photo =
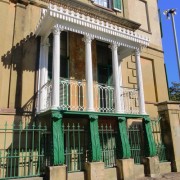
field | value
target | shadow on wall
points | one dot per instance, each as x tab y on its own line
22	57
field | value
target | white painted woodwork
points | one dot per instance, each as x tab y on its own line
89	76
116	77
56	67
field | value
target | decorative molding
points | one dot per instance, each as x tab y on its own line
95	11
56	29
82	24
87	38
137	52
45	42
113	46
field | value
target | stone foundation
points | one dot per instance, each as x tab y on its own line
138	171
151	166
125	169
165	167
56	172
95	170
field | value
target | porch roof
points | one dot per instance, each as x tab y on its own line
70	20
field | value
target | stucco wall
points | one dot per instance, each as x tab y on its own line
146	13
18	53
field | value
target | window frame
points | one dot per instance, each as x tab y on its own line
111	5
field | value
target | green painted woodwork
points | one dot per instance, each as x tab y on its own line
95	147
150	147
57	157
117	4
86	113
123	151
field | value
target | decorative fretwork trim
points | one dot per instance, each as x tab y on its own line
101	30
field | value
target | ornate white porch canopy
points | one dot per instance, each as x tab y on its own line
76	22
56	19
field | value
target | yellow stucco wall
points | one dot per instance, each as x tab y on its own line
18	53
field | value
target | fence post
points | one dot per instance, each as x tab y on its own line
94	137
123	151
57	139
150	147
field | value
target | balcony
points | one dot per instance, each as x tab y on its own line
73	97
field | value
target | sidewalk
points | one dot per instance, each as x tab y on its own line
169	176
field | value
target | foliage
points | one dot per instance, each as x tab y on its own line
174	91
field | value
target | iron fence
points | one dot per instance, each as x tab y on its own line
76	146
108	145
21	154
135	133
157	134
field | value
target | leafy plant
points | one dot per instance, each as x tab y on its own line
174	91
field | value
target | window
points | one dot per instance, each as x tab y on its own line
104	59
112	4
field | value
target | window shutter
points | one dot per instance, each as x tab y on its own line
117	4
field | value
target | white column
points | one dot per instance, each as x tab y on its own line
89	76
56	68
46	54
43	68
116	78
140	83
39	77
121	84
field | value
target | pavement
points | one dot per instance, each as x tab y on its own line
169	176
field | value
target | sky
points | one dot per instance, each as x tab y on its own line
168	38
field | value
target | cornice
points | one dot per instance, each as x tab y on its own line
81	23
95	12
87	9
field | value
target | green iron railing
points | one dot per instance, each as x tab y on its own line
135	133
157	134
76	146
108	145
21	154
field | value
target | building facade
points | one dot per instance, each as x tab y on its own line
92	71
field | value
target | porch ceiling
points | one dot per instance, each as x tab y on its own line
70	20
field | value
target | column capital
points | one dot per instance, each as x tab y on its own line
45	42
113	46
87	38
137	52
57	29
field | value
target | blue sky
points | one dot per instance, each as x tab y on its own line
168	38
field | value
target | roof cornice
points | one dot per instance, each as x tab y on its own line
95	12
83	24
